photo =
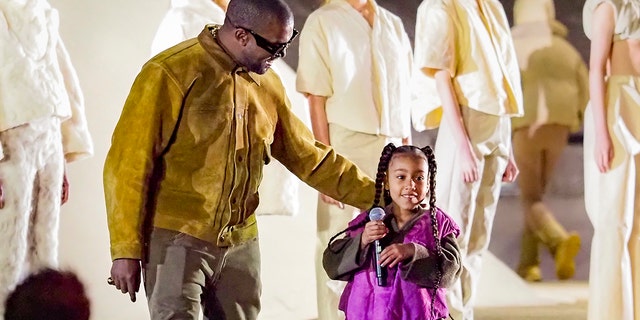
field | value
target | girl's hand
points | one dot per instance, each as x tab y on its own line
373	230
395	253
603	152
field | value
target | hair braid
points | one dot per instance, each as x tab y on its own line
433	168
383	165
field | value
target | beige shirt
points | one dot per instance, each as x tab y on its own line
627	18
474	44
364	72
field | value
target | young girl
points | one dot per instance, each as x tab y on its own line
420	254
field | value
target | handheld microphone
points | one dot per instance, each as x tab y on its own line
377	214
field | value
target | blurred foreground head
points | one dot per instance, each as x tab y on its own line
49	294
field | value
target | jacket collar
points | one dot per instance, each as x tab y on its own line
208	41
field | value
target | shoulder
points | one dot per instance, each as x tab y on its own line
446	224
435	7
327	12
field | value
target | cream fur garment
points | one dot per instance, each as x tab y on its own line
36	70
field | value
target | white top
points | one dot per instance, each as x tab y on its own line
185	20
364	72
37	79
627	15
473	43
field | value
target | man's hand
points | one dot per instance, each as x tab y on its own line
65	189
125	274
328	200
396	253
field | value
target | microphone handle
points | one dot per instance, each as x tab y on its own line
381	272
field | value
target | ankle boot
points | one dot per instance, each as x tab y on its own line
565	254
529	266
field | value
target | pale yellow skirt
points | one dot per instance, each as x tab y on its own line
611	204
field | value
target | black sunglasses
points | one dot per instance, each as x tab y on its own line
277	50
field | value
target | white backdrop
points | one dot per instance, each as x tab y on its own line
108	42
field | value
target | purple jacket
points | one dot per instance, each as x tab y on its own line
410	292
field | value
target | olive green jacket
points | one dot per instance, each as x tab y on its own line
188	151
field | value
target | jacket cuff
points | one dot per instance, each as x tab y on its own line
128	251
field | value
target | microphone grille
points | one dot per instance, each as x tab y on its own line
376	213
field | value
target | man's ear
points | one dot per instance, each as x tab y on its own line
242	36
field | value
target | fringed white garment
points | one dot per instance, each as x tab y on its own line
31	174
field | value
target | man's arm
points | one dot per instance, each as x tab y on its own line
320	127
142	133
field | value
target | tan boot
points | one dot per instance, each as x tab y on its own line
565	255
529	266
530	273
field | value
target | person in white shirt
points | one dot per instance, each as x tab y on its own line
464	50
42	127
355	68
280	190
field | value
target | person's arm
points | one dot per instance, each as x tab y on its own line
320	127
601	38
318	114
343	257
76	139
141	135
422	269
452	115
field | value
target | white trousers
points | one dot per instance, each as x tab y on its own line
471	205
364	150
612	201
31	174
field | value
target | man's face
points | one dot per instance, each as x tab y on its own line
266	45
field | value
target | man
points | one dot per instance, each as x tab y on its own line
556	91
279	188
464	48
187	155
42	127
355	69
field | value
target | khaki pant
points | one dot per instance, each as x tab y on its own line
537	156
364	150
471	205
184	273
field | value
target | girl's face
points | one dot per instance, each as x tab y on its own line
407	180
